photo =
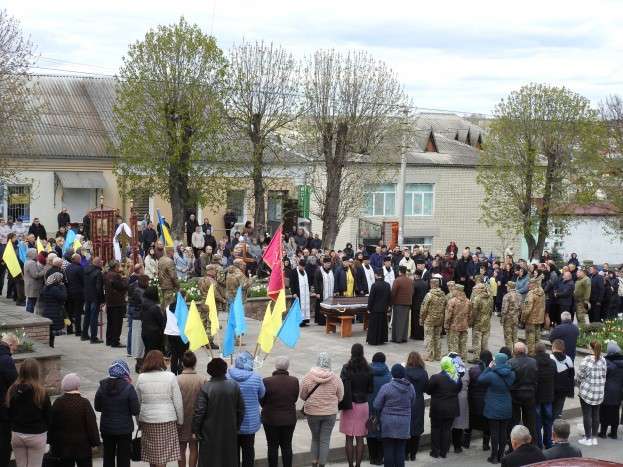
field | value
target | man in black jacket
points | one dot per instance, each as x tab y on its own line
563	292
546	372
524	452
37	229
229	219
8	375
93	299
74	275
598	288
63	218
523	390
149	237
562	449
568	332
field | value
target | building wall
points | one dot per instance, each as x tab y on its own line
456	212
588	238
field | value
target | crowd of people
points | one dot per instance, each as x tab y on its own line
212	420
510	396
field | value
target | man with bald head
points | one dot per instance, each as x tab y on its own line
523	390
93	299
74	274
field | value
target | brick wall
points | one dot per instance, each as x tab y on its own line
38	333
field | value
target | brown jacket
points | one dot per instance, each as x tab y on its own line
115	289
402	291
459	313
167	275
236	278
534	307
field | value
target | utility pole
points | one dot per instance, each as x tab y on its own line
400	199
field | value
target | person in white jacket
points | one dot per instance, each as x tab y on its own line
161	411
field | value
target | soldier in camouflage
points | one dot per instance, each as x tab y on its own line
482	308
451	285
581	296
509	314
432	317
236	277
533	314
458	317
204	285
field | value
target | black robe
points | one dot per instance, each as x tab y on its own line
361	283
319	318
378	304
219	410
420	288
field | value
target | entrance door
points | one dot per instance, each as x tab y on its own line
78	201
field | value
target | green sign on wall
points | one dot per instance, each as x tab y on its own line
304	198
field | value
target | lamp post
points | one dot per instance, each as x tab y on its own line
401	181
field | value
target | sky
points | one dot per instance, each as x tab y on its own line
450	55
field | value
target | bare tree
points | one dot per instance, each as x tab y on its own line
17	110
352	101
263	98
611	171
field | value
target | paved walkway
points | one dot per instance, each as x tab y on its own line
91	361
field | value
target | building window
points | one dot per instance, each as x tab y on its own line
18	202
380	200
424	242
419	199
235	202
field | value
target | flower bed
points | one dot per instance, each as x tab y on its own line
611	330
258	290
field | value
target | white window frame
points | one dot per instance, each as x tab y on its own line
7	196
372	191
412	193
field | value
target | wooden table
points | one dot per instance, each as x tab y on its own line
341	311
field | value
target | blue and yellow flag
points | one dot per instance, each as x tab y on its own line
10	259
194	329
166	235
290	329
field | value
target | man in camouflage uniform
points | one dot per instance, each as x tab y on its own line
236	277
509	314
458	317
451	285
167	277
431	317
482	308
533	314
204	285
582	295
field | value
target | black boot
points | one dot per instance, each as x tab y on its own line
457	438
467	438
485	443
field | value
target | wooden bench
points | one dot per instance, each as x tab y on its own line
344	322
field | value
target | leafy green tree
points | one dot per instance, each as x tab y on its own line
168	116
611	168
538	161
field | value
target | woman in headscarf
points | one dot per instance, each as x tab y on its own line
322	390
73	427
461	422
476	398
253	390
117	401
444	388
380	376
394	402
218	414
498	378
418	377
53	297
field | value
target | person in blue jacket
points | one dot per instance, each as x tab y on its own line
380	377
252	389
498	403
521	281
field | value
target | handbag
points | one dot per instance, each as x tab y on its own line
308	396
347	401
135	453
373	424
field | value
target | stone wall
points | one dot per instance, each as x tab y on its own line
49	360
36	327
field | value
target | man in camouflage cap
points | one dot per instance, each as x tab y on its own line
451	285
432	317
482	308
533	314
509	314
458	317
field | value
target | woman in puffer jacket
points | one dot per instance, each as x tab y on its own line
53	297
252	389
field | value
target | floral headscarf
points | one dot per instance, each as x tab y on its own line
54	278
447	366
458	363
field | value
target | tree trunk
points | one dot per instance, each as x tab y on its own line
544	212
179	174
334	167
259	212
526	210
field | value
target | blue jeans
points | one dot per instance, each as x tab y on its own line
129	343
30	304
544	422
91	315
